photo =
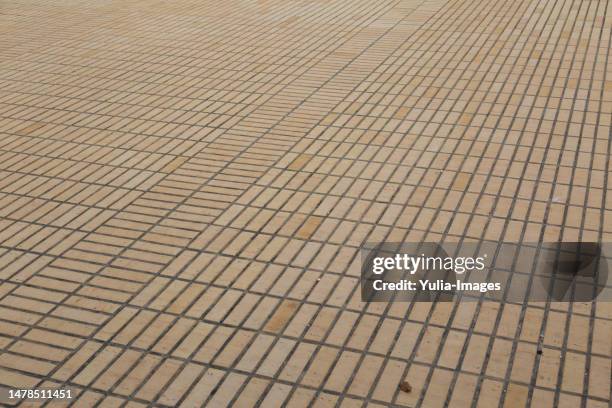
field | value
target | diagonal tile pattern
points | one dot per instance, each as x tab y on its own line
185	186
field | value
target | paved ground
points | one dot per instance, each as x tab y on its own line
184	186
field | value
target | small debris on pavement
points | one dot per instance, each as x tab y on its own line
405	386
